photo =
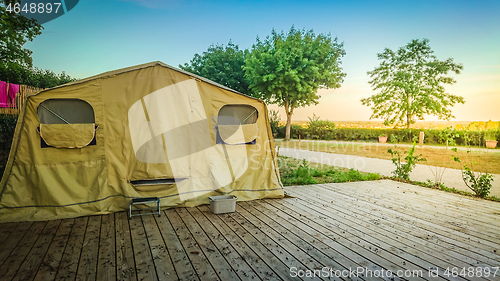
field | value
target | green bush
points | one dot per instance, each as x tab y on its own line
320	129
274	121
7	128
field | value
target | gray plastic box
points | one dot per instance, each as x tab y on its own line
223	204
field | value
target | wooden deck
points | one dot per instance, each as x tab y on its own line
365	226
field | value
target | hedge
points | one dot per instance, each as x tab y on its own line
7	128
432	136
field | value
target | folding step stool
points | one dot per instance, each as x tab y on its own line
146	200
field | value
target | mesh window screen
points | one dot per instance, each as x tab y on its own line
65	111
237	114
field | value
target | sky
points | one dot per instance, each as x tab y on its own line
102	35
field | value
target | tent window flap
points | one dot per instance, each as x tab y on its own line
66	123
67	135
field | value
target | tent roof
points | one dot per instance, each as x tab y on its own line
141	66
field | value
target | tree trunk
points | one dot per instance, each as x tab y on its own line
289	112
288	125
408	115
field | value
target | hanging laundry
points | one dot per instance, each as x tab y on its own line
13	89
4	94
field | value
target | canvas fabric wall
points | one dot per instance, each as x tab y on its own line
152	124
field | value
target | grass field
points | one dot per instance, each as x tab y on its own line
485	160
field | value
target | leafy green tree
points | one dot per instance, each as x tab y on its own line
411	82
288	69
15	31
222	65
16	64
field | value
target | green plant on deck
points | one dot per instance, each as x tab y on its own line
478	182
403	169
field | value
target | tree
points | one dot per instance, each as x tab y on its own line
288	69
16	64
222	65
411	83
15	31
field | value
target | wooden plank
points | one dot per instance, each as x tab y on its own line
13	239
475	244
377	219
32	262
161	258
71	257
106	267
198	259
6	230
221	266
50	263
363	257
272	253
143	260
403	231
17	256
264	271
87	267
310	214
411	203
237	262
281	236
125	264
441	198
415	234
180	260
311	238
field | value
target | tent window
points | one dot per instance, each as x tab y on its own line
65	111
236	124
66	123
237	114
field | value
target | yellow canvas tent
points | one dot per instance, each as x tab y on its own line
90	146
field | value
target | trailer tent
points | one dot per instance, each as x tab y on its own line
90	146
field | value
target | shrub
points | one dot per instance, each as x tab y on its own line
296	131
478	182
274	121
320	129
7	128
